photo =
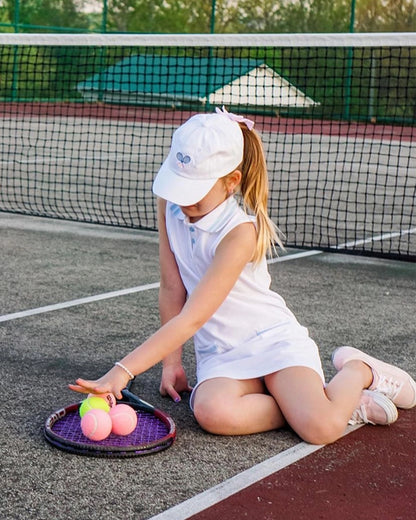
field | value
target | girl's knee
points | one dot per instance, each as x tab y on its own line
215	417
320	430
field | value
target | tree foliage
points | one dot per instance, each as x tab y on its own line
386	15
45	13
194	16
169	16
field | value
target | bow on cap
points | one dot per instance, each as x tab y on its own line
234	117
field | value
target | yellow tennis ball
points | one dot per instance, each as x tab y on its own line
93	403
108	396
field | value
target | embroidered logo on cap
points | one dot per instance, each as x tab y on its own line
183	159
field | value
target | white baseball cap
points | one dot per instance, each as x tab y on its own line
204	149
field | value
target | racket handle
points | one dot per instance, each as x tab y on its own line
129	384
130	397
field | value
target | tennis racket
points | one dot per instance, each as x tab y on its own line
155	431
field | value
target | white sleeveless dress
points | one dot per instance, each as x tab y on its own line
253	333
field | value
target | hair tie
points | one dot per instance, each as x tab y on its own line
234	117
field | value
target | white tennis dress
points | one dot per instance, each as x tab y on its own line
253	333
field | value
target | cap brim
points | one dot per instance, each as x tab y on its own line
180	190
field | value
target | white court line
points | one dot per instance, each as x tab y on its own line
377	238
243	480
80	301
294	256
237	483
40	160
131	290
113	294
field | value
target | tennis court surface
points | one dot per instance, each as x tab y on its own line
77	297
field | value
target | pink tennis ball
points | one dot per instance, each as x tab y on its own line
124	419
108	396
96	424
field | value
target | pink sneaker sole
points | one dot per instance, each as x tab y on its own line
388	380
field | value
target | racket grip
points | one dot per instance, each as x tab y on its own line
131	398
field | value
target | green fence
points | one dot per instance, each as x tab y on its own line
98	16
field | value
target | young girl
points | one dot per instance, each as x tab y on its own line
257	367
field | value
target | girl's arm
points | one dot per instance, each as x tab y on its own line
172	298
232	254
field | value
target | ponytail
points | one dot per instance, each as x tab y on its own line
254	189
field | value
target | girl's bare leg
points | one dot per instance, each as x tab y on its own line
236	407
318	414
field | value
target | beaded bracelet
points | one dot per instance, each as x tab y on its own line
118	364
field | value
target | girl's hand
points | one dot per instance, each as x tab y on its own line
174	381
114	381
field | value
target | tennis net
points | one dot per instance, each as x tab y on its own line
86	121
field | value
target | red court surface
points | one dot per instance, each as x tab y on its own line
368	474
269	123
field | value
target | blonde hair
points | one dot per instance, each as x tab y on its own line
254	189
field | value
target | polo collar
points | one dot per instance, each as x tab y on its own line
213	221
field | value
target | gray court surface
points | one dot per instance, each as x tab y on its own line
365	302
